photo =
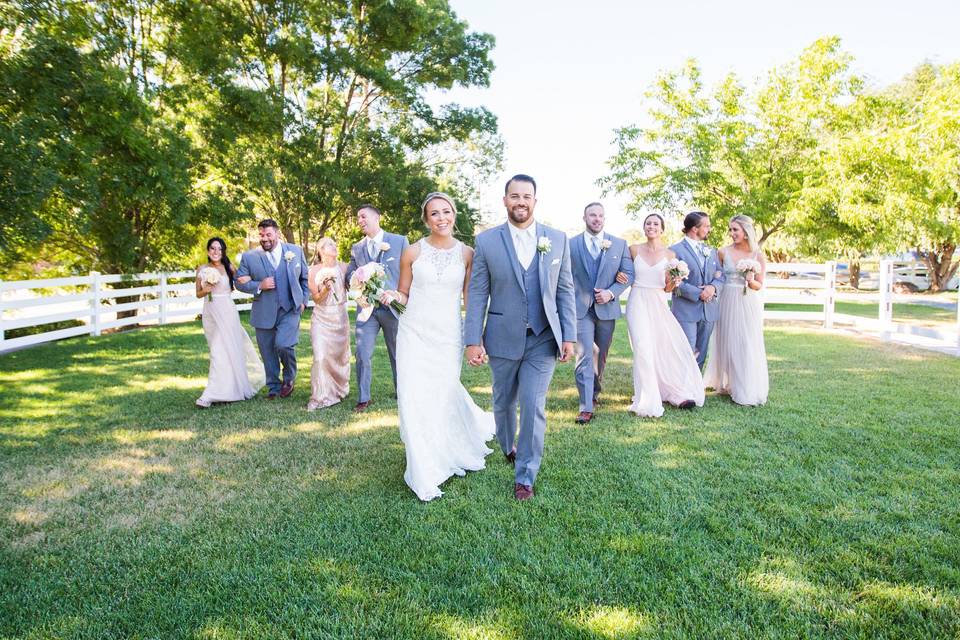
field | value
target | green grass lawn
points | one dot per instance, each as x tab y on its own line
127	513
902	312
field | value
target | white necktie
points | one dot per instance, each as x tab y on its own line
524	254
594	247
274	260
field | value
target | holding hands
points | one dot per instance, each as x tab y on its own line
476	355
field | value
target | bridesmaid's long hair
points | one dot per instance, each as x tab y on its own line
746	223
224	258
321	243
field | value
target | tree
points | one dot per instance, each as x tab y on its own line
731	152
311	108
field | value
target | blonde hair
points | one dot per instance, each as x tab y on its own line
321	243
437	195
746	223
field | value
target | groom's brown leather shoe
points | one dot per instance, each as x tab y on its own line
362	406
272	396
286	389
511	457
522	491
584	417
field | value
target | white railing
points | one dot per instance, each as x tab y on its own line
91	302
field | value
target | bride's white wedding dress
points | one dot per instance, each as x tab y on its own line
664	368
443	430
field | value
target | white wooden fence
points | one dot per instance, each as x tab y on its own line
91	302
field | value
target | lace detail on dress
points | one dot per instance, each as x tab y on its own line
440	258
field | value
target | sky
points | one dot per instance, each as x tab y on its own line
569	73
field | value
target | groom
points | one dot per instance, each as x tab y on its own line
695	300
276	275
520	299
385	248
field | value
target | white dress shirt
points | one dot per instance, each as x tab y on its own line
593	243
276	254
696	246
373	244
524	243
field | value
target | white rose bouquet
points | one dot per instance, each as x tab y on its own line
745	266
209	275
328	275
677	269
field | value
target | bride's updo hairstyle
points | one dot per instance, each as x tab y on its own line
438	195
746	223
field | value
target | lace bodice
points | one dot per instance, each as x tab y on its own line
646	276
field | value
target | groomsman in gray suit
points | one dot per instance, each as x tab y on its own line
385	248
695	303
520	301
596	259
276	275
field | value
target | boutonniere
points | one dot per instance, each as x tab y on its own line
383	247
543	244
605	244
289	255
705	250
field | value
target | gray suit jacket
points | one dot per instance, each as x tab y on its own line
614	259
495	297
686	305
257	265
390	259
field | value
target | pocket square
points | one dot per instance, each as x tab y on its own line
389	259
555	261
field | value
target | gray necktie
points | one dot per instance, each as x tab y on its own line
594	247
372	248
273	260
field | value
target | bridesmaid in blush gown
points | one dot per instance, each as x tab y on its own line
236	372
664	367
738	366
329	329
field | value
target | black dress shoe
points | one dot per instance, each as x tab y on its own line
687	404
272	395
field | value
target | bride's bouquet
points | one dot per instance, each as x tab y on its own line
677	269
209	275
328	275
366	286
745	266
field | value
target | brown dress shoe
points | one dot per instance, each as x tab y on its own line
362	406
511	457
286	389
272	395
584	417
522	491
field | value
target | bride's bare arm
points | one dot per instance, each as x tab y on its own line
467	265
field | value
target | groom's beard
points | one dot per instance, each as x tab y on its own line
519	214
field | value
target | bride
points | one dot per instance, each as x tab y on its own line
443	430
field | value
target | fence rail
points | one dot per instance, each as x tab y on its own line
91	304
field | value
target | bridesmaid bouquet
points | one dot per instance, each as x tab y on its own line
745	266
209	275
366	286
677	269
328	275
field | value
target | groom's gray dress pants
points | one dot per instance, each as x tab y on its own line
367	340
524	383
278	347
698	335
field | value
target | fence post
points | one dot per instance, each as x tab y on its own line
886	298
95	303
830	302
163	297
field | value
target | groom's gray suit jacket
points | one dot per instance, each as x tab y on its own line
496	302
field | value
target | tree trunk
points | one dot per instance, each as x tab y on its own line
854	268
940	266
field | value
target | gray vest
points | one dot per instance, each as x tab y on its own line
536	317
594	266
284	299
